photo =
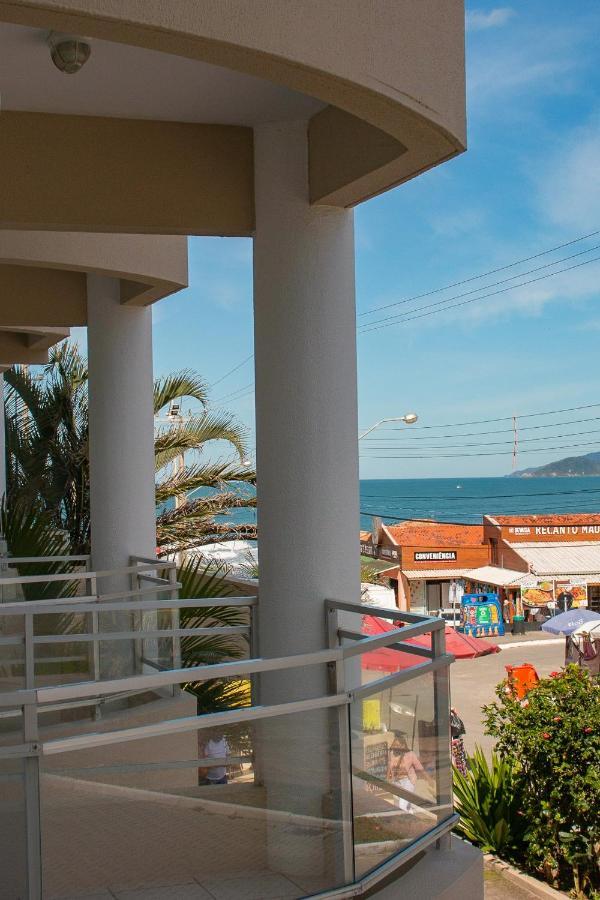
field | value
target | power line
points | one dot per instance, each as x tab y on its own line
483	274
482	496
556	437
400	319
551	412
477	290
492	453
241	396
231	371
450	286
422	437
231	395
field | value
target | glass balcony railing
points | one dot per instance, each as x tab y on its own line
117	786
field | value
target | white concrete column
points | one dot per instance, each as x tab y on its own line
122	493
307	470
306	403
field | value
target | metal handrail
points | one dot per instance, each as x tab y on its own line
31	701
98	604
22	560
85	575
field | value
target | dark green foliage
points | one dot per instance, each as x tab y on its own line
553	737
204	582
488	799
48	456
30	531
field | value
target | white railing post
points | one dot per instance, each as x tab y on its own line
337	686
29	651
95	647
31	776
174	595
257	767
441	705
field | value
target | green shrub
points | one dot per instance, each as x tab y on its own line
553	737
488	799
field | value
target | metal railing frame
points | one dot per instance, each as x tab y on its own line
31	701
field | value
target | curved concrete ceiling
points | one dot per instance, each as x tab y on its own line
27	345
43	274
391	75
137	83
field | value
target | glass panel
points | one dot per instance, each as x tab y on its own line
13	860
12	657
145	813
399	762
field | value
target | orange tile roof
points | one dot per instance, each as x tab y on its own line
365	535
436	534
562	519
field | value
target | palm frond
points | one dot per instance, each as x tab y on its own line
180	384
202	580
204	475
194	433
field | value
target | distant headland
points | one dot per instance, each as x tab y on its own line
570	467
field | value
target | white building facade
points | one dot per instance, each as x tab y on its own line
246	118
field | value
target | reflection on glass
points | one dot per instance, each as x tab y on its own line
144	812
397	755
13	864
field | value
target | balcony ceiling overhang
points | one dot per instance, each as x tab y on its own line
43	274
154	134
27	345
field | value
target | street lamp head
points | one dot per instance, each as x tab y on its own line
410	418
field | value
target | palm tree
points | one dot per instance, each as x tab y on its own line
191	521
47	442
48	461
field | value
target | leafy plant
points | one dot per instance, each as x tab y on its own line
30	532
48	456
369	574
202	581
554	738
488	799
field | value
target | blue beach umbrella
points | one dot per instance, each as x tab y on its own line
567	622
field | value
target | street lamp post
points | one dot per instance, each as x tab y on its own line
408	419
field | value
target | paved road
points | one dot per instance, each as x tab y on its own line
473	681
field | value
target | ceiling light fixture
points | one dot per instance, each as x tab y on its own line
69	54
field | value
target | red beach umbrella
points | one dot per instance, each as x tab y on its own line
462	646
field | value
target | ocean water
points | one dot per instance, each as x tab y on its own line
466	499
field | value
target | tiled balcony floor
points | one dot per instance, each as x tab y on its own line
106	843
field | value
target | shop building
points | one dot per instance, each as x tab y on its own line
559	553
432	561
536	564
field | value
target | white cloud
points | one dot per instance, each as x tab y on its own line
569	183
507	75
457	224
477	20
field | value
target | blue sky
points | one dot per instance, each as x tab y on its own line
530	180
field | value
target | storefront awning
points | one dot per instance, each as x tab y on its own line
496	575
434	574
561	559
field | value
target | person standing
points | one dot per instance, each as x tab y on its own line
457	732
216	747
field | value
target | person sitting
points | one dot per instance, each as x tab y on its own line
404	770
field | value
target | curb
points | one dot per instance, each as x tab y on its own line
546	642
538	888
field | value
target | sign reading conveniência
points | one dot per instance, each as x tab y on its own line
435	555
